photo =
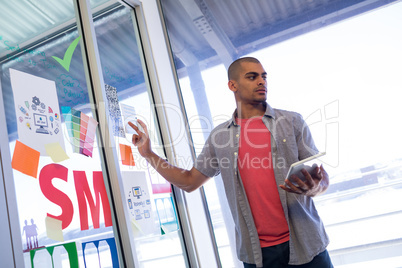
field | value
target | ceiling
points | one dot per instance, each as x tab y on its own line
212	31
24	22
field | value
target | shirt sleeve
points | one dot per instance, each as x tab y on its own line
207	162
305	142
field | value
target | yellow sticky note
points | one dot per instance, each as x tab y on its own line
56	152
53	229
135	227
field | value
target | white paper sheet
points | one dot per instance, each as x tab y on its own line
139	202
37	111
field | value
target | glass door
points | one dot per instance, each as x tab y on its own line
148	198
64	209
65	204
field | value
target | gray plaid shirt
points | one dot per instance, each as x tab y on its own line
291	141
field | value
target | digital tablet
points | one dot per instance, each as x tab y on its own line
309	164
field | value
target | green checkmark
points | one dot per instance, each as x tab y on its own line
66	61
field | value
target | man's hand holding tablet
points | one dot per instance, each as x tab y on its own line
306	177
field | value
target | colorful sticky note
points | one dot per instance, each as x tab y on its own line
66	111
89	139
68	120
53	229
56	152
126	155
83	130
136	228
25	159
76	122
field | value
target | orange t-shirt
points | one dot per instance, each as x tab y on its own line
257	173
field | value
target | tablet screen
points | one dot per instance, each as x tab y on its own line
309	164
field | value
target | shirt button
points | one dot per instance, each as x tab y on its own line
237	135
284	140
235	153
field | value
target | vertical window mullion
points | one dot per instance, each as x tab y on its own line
108	151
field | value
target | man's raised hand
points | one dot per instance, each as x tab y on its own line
141	139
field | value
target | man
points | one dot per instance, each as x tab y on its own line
275	226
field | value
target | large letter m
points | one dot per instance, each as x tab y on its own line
84	195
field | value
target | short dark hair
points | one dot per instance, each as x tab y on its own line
234	68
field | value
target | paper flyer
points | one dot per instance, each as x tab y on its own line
138	199
37	111
114	111
129	114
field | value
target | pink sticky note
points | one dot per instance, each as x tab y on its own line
89	139
83	130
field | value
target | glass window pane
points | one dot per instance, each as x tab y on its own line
148	197
344	79
24	22
52	133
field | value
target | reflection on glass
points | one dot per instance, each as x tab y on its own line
57	171
24	23
149	202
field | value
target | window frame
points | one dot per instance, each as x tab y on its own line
194	225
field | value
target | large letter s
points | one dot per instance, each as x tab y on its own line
47	174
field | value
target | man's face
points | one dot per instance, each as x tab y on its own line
250	87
